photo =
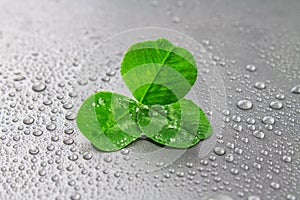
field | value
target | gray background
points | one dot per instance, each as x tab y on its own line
43	45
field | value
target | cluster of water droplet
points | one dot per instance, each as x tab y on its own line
44	156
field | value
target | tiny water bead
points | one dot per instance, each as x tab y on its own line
244	104
38	87
251	68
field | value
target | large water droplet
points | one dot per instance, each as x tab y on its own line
258	134
37	132
28	120
87	156
219	151
34	150
296	89
277	105
287	159
68	141
229	157
51	126
251	68
260	85
19	77
71	116
244	104
38	87
268	120
275	185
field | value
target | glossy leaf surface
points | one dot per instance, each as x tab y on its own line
108	120
157	72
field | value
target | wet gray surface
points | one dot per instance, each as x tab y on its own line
55	54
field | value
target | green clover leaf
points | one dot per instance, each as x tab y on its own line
159	75
108	120
157	72
181	124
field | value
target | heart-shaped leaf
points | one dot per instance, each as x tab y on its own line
108	120
181	124
157	72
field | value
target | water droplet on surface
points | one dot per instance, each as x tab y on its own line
280	96
19	77
234	171
278	132
68	141
87	156
34	150
219	197
110	73
69	131
108	159
37	133
51	126
229	157
70	116
259	134
50	147
260	85
38	87
244	104
28	120
55	178
82	82
251	68
101	102
275	185
219	151
73	157
76	197
296	89
67	106
253	197
125	151
268	120
277	105
176	19
287	159
105	79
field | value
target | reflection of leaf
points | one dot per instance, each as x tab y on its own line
181	124
157	72
108	120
